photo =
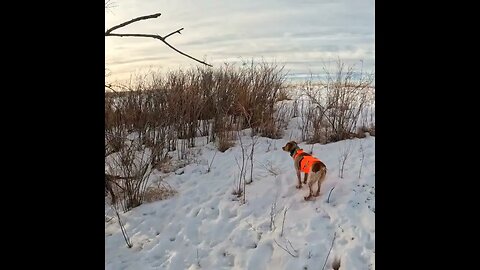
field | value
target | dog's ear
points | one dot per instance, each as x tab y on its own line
289	146
293	143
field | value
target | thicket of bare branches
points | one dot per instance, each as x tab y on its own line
158	114
337	104
161	113
183	105
132	166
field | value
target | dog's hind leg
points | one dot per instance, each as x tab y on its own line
310	190
321	177
318	189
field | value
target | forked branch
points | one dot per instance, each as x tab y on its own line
109	33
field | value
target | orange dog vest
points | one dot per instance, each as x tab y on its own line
306	162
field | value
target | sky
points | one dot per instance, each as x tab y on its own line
302	35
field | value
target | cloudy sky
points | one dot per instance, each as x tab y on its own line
302	35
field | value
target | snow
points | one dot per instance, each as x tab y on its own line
204	226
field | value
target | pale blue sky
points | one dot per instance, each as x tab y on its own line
304	35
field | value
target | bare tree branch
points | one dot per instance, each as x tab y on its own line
141	18
161	39
109	33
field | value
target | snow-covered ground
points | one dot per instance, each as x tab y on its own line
204	226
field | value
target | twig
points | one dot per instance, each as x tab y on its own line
198	261
344	153
251	226
211	162
328	199
294	249
283	222
174	32
269	167
273	214
124	232
109	5
285	249
110	86
361	162
109	219
244	191
334	235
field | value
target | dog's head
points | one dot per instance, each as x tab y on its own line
291	145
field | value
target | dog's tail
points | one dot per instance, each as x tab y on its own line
323	173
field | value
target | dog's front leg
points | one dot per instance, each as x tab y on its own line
299	180
305	178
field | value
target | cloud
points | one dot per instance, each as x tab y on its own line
301	33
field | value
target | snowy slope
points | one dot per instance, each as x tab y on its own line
204	226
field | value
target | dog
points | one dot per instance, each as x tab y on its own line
308	164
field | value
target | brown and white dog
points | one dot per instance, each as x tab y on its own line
308	164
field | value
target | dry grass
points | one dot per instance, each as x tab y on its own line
159	193
224	144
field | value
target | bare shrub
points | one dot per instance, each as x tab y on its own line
132	165
338	102
305	113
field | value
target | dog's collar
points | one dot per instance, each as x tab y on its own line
298	152
293	151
